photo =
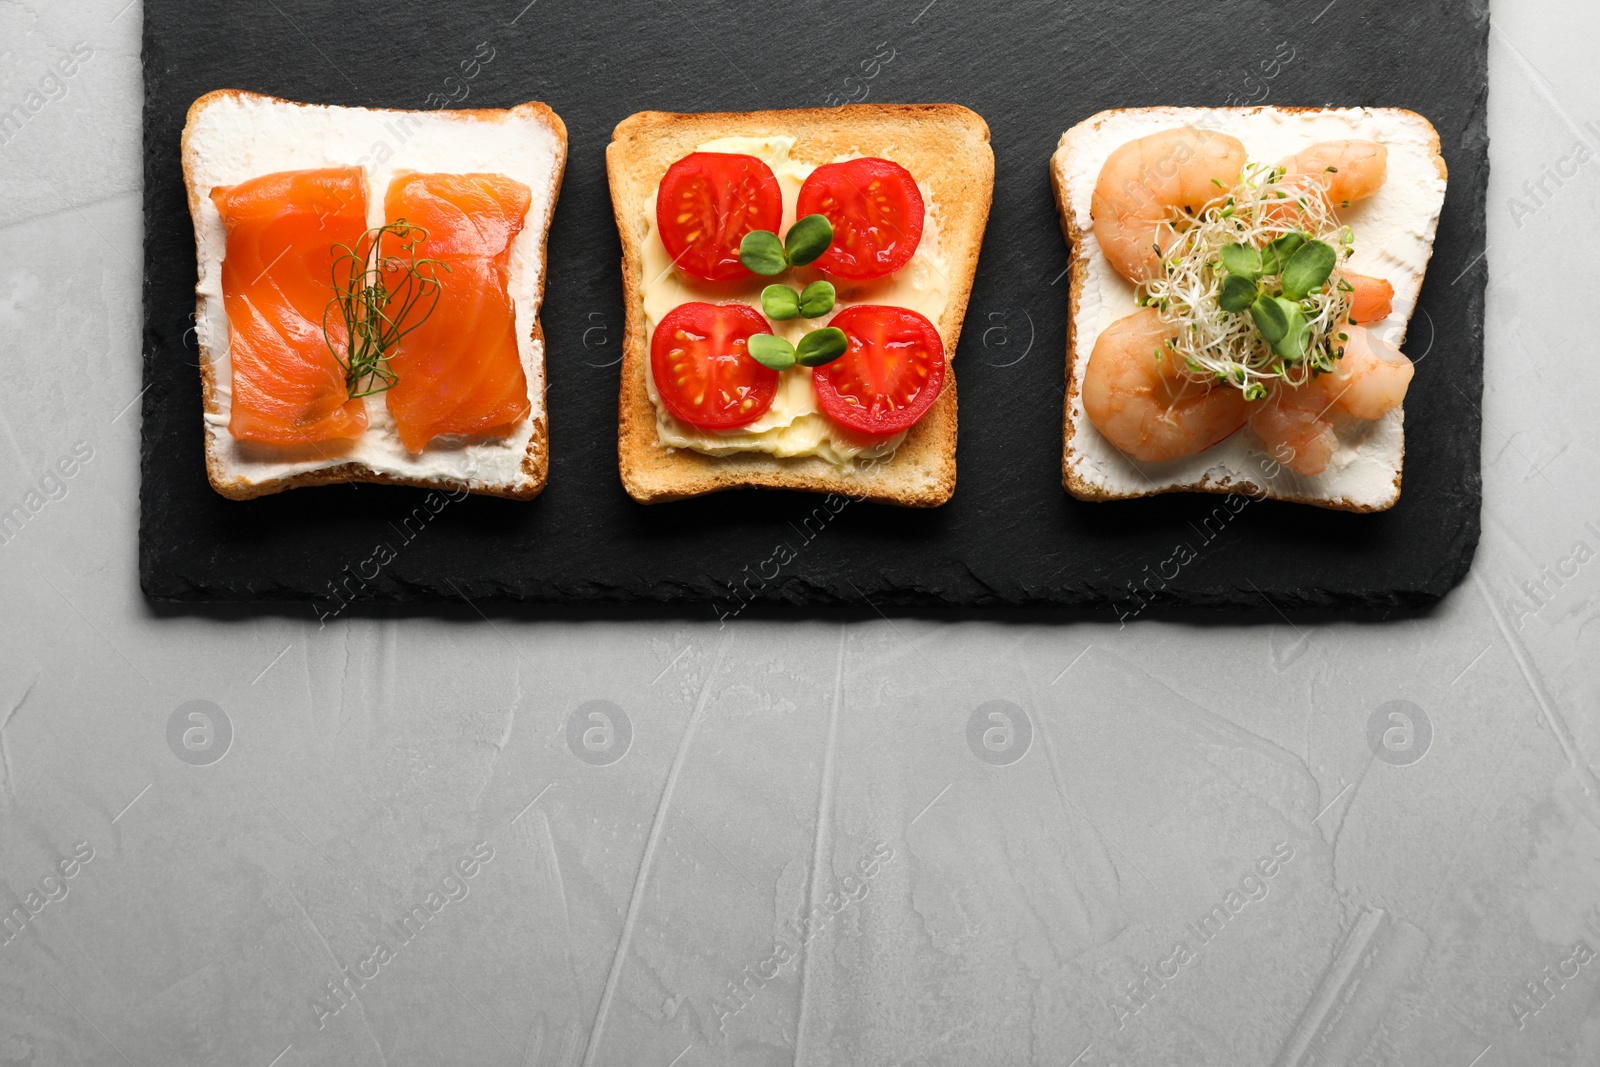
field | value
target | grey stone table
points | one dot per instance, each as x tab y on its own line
247	840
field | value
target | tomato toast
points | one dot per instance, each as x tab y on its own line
369	292
827	368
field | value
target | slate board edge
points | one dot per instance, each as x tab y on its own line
796	592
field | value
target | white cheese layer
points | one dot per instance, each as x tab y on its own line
1394	232
235	139
794	425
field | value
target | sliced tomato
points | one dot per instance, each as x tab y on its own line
704	375
889	376
876	211
706	204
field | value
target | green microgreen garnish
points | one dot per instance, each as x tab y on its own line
1283	324
807	239
770	350
1308	269
763	253
1249	284
816	349
381	297
1279	251
1238	292
780	303
821	347
1241	259
816	299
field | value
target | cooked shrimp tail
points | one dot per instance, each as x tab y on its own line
1144	180
1137	396
1347	170
1372	377
1371	299
1292	423
1298	424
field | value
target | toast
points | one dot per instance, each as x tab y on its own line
231	136
1394	231
944	146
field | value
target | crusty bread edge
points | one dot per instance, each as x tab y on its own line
652	473
535	463
1079	264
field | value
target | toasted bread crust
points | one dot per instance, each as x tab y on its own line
535	463
944	145
1079	265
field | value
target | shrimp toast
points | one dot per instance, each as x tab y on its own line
486	397
1393	224
945	147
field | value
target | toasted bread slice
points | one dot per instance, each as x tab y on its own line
945	147
1394	232
231	136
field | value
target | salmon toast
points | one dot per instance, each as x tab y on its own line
288	387
458	371
337	344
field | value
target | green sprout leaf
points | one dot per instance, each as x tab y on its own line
1271	318
1284	326
1308	269
1238	292
1241	259
762	252
817	300
1278	252
1255	391
821	347
770	350
808	238
780	302
1292	347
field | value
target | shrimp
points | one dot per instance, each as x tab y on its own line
1294	426
1347	170
1372	377
1371	299
1137	396
1143	180
1297	425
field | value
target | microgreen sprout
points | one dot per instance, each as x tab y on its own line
1250	283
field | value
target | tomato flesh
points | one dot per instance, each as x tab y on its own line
705	205
699	356
876	211
890	375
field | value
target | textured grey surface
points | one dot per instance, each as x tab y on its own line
1428	915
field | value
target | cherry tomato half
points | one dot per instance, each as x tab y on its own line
706	204
876	211
889	376
703	370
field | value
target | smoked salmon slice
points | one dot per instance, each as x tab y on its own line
459	369
288	388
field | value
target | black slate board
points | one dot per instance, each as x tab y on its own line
1011	535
